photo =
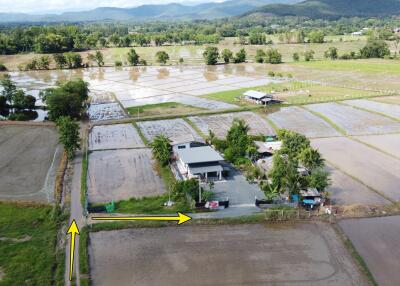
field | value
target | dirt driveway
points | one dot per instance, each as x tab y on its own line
254	254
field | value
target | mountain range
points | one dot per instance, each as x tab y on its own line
211	10
332	9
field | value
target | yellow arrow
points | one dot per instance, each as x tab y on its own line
73	230
181	218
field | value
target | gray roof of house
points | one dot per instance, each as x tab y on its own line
205	169
199	155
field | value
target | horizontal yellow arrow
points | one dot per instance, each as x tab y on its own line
181	218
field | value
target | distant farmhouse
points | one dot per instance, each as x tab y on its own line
198	160
258	97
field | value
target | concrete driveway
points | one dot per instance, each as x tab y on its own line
237	190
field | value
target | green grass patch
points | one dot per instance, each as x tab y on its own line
255	218
150	205
162	108
231	96
28	245
84	257
370	66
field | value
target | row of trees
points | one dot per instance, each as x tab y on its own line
211	56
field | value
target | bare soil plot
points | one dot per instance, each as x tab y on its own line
220	124
388	99
121	175
302	121
177	130
389	143
29	159
374	168
354	121
377	241
347	191
114	137
392	110
247	254
106	111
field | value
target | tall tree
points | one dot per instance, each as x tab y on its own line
162	57
227	55
133	57
211	55
69	135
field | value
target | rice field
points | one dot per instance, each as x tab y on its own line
391	110
177	130
373	168
302	121
118	136
354	121
220	124
122	174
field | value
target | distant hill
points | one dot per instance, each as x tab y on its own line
332	8
170	11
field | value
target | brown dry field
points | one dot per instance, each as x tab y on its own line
29	159
347	191
377	241
374	168
121	175
220	124
247	254
118	136
389	143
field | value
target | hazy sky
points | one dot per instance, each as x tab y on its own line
45	6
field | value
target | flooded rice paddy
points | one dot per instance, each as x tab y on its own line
220	124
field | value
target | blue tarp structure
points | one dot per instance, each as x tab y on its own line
308	202
295	198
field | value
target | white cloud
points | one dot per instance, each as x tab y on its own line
46	6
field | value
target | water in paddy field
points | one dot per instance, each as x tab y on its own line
136	86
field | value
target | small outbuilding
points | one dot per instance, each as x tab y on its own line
258	97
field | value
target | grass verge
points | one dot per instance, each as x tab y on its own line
84	257
85	166
29	253
356	256
194	126
144	139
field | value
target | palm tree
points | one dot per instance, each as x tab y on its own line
162	148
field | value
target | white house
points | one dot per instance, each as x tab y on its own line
198	161
258	97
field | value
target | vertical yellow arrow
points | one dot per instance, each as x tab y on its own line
73	230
